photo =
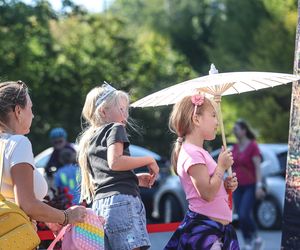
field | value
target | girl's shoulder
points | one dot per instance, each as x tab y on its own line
111	125
191	149
109	129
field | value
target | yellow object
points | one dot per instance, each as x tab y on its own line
16	230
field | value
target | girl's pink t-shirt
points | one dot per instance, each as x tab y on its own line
190	155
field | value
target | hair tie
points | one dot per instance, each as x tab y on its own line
197	100
179	139
108	89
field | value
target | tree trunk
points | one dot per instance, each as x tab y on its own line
291	220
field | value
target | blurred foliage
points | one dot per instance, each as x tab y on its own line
143	46
254	35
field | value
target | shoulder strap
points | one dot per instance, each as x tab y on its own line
2	147
58	237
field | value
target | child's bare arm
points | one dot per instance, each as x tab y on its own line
119	162
207	186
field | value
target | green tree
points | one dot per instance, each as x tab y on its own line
26	52
188	24
236	36
63	55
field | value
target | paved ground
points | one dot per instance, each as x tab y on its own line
272	240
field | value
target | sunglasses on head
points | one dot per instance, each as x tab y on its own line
22	86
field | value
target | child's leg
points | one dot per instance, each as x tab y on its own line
217	245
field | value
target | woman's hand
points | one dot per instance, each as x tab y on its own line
231	182
76	214
260	191
145	180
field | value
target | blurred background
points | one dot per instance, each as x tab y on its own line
62	49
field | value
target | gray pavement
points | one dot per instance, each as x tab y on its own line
272	239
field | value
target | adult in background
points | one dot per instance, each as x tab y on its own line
247	159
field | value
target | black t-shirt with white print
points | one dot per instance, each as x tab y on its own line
108	182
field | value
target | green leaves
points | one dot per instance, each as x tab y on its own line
143	46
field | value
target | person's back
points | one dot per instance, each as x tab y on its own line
107	170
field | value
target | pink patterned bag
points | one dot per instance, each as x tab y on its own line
88	235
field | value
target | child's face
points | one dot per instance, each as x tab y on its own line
209	123
118	113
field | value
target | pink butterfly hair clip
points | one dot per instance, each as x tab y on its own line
197	100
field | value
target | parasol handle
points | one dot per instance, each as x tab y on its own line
229	170
217	99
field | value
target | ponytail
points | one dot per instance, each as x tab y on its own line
87	186
175	153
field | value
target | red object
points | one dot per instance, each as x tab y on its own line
152	228
46	235
230	198
158	228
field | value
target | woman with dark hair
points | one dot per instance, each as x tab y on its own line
247	161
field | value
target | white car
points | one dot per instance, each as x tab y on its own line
170	203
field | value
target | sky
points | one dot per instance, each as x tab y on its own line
90	5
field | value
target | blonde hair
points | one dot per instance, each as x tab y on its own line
93	120
181	122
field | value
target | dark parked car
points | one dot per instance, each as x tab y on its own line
147	195
170	203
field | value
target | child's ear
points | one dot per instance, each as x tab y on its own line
196	119
102	112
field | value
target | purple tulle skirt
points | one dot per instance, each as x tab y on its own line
199	232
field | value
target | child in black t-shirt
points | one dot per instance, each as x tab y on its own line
107	169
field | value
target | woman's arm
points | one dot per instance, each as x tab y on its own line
260	193
22	177
256	161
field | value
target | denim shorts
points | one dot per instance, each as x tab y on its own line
125	226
